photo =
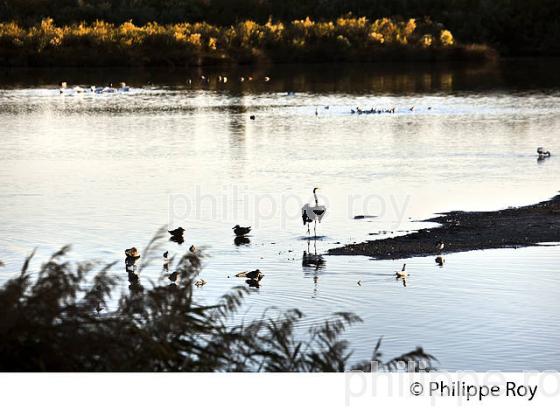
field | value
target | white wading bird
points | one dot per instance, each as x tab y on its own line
311	213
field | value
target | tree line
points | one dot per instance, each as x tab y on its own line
514	27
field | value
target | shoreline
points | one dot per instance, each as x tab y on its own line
462	231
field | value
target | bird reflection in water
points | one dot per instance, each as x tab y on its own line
403	279
253	283
310	259
315	283
134	283
241	240
314	261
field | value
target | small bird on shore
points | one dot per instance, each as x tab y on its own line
241	230
439	246
402	273
200	282
192	249
440	260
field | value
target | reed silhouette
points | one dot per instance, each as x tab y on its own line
65	317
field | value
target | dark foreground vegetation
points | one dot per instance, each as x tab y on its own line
60	319
514	27
193	44
467	231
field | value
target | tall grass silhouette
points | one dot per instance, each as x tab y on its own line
59	318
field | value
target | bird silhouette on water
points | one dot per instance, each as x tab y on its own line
177	235
254	274
241	230
254	277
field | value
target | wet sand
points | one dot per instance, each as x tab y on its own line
465	231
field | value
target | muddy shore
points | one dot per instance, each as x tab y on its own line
465	231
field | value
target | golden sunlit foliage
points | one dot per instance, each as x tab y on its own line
347	38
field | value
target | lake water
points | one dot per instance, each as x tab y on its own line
104	172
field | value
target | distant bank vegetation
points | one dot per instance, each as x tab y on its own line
182	44
513	27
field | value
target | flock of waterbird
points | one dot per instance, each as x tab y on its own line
203	79
224	79
310	213
108	89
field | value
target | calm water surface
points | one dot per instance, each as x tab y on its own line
104	172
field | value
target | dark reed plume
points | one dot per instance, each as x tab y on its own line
65	317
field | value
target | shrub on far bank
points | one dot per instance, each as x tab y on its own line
184	44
